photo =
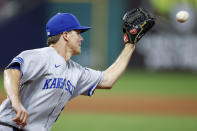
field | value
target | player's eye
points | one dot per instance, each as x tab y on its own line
78	31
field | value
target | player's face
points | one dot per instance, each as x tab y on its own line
74	41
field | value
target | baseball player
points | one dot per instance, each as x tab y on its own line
39	82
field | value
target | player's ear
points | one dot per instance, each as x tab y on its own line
65	36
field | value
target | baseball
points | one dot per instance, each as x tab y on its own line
182	16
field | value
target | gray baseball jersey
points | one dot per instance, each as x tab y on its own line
46	84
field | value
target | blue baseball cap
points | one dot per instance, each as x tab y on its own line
63	22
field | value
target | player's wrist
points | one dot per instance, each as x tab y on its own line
130	45
16	103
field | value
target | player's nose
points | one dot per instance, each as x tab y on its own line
81	38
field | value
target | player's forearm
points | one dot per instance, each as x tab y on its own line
11	84
113	73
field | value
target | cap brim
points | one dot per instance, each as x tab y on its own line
83	28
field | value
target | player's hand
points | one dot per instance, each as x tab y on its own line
21	115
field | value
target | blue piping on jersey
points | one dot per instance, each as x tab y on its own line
20	59
91	91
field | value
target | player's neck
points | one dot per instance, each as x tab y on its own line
65	53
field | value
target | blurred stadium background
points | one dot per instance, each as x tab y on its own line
158	92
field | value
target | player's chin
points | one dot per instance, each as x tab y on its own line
77	52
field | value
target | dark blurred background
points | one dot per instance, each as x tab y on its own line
169	45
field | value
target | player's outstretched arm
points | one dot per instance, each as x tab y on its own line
11	85
136	23
113	73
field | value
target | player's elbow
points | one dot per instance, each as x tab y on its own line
106	84
110	84
108	87
108	81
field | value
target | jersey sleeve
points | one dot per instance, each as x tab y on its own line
31	65
88	81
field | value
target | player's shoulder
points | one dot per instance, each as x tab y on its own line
39	52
